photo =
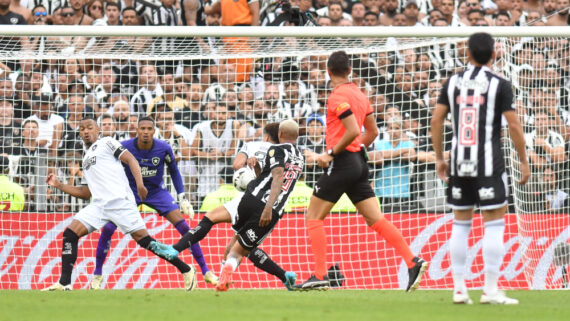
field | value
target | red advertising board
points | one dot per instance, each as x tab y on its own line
30	246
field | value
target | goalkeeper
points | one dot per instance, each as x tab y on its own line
152	154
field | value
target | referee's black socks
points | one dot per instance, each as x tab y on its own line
178	263
194	235
68	255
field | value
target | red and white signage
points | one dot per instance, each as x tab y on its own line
30	247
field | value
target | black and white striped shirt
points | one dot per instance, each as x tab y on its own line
477	98
141	99
291	159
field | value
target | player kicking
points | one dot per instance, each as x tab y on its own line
477	99
348	110
152	154
112	201
251	154
259	209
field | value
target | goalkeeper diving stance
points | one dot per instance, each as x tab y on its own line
152	154
112	200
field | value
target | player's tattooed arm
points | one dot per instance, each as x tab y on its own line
130	160
277	174
82	192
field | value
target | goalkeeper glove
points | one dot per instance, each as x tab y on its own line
185	205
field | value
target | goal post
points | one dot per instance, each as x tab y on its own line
211	90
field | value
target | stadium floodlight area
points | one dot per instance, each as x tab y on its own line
262	75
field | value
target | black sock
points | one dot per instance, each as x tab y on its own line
178	263
68	255
263	262
194	235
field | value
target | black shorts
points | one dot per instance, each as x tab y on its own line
250	234
347	173
488	192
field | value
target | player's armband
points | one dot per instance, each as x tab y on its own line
119	151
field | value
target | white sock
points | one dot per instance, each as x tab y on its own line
222	266
233	262
458	252
493	252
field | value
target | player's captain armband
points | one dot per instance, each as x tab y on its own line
119	151
116	148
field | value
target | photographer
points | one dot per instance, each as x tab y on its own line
290	13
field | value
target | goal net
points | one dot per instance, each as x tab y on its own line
211	92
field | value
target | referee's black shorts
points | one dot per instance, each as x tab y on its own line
347	173
247	228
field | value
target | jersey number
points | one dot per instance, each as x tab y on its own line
288	178
467	130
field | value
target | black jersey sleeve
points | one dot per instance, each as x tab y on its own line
275	157
505	96
443	98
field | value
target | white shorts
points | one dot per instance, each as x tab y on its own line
121	212
232	207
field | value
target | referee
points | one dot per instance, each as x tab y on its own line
348	110
477	99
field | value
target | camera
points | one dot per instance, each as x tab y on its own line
291	14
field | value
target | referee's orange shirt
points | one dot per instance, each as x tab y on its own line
343	98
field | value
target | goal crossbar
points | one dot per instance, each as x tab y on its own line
317	32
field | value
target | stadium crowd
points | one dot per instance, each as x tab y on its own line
207	108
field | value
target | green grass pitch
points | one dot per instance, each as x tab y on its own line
269	305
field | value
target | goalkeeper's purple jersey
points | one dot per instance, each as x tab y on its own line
152	163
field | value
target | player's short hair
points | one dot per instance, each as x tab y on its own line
146	118
289	128
90	117
339	63
481	47
272	129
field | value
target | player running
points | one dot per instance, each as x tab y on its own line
348	110
152	154
477	99
112	201
259	209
